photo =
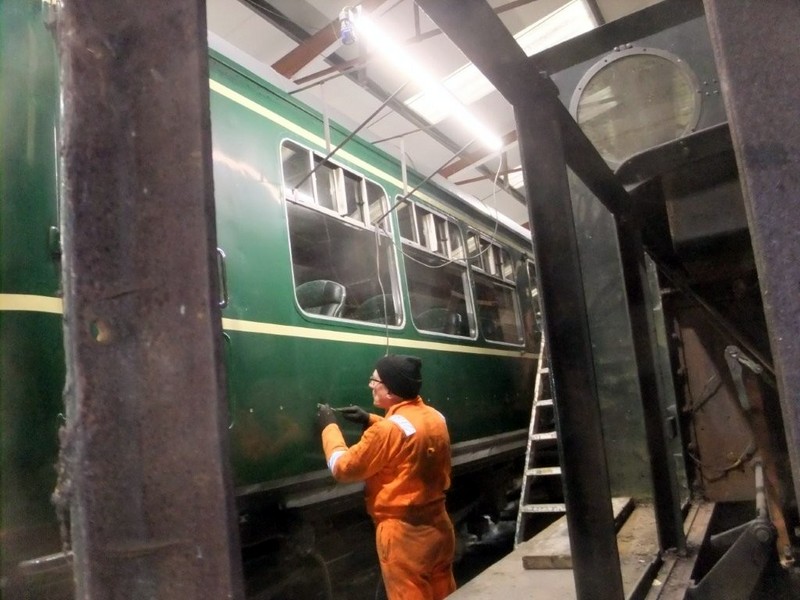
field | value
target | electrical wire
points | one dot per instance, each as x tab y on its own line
380	285
710	388
377	224
715	319
349	137
492	236
405	198
378	228
745	457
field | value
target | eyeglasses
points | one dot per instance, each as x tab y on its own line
373	380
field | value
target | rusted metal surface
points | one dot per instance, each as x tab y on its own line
758	59
144	466
721	442
729	420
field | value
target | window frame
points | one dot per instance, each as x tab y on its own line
478	263
451	225
385	229
340	173
431	219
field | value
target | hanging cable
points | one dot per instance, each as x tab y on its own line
406	197
380	286
349	136
492	236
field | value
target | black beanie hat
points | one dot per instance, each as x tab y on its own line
401	374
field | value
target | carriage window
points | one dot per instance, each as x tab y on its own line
490	257
532	312
436	274
296	167
326	179
498	310
405	218
331	187
438	293
354	202
455	243
495	290
433	232
336	271
376	201
473	245
506	266
425	234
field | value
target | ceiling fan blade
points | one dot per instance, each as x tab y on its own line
289	64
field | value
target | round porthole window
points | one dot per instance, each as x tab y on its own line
635	99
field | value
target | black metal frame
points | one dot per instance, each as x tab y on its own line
549	140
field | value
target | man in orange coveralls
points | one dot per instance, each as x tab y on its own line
405	460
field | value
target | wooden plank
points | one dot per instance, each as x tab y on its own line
550	549
637	542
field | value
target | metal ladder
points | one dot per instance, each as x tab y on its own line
538	435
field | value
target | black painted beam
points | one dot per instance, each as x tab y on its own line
144	461
635	26
487	43
585	476
548	135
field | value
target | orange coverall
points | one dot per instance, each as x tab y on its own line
405	460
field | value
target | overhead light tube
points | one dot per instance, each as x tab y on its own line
401	60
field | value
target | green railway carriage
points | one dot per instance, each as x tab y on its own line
404	282
323	273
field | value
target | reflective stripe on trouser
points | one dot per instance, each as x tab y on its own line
416	560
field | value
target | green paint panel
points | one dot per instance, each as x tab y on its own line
615	364
28	117
276	383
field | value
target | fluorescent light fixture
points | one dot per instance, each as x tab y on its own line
438	96
516	180
469	85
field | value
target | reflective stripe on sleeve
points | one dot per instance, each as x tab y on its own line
403	424
334	457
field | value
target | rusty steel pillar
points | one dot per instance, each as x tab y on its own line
758	58
144	461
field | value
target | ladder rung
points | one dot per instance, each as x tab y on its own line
543	471
544	370
542	508
545	402
550	435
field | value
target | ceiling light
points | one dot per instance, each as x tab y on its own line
346	31
469	85
437	95
516	180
